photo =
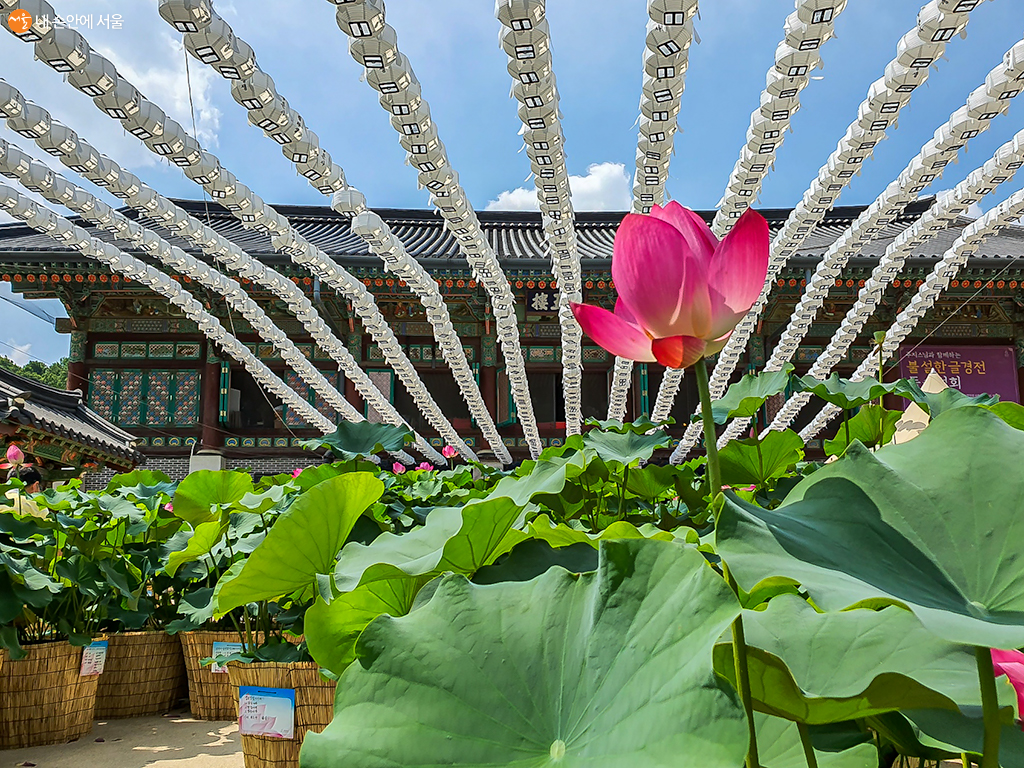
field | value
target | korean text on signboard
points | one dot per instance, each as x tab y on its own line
972	370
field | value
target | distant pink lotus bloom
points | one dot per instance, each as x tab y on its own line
169	507
449	452
398	468
681	291
15	455
425	465
1011	664
296	472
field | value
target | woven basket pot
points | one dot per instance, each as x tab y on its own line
314	708
43	699
144	675
209	693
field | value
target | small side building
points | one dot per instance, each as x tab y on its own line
59	433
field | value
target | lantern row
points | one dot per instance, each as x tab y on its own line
214	43
806	30
526	40
1000	168
1000	217
916	52
63	231
374	45
984	103
666	59
66	50
33	121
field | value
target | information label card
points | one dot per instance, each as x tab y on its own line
266	712
94	658
224	649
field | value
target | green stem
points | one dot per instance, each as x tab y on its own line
710	437
846	422
989	707
965	760
739	654
805	739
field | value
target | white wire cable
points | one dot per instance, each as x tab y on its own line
967	244
65	49
33	121
527	42
916	52
255	91
796	57
63	231
990	99
391	74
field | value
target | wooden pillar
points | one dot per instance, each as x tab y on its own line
353	396
78	372
212	436
489	373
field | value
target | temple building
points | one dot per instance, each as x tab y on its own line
141	364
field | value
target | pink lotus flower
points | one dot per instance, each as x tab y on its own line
1011	664
296	472
398	468
15	456
681	292
425	465
449	452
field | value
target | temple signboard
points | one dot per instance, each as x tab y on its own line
972	370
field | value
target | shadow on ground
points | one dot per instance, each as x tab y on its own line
172	741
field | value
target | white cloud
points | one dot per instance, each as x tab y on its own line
17	353
606	187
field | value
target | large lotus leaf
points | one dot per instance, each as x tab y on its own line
303	542
873	425
779	746
547	476
826	668
747	395
459	539
1010	412
200	496
202	540
935	524
652	481
353	439
964	731
938	402
848	394
561	535
756	462
530	558
625	447
331	629
599	670
143	484
640	426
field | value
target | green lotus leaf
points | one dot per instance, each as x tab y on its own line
201	495
143	484
756	462
625	447
561	535
958	732
353	439
543	476
640	426
1010	412
829	667
598	670
201	541
848	394
936	403
303	542
779	746
935	524
653	480
331	629
530	558
873	425
459	539
747	395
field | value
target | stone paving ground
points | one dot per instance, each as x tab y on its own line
172	741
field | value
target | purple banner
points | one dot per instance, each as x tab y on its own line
972	370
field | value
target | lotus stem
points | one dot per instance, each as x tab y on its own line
989	707
710	437
739	655
805	739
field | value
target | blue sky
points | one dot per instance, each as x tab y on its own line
453	46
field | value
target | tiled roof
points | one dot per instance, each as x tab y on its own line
62	414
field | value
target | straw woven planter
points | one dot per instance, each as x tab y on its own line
314	708
43	700
209	693
144	674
